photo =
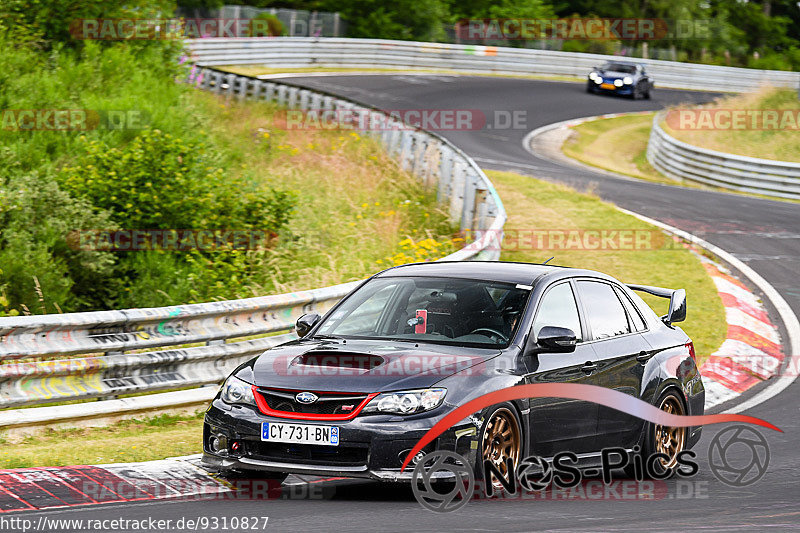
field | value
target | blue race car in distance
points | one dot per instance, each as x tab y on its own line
621	77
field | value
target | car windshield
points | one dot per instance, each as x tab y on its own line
620	67
458	312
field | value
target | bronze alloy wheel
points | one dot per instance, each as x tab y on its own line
501	441
669	440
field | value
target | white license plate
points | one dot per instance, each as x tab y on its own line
300	433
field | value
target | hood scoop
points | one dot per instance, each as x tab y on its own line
337	359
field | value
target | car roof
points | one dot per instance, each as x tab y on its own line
501	271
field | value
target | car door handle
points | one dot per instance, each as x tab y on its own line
644	357
589	367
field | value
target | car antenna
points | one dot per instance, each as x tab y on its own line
549	260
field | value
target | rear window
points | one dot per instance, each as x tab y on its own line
636	318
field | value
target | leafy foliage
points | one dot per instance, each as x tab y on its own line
158	181
167	174
274	27
41	268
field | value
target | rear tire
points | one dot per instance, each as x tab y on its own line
664	439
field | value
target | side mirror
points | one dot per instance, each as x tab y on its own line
306	323
557	340
677	308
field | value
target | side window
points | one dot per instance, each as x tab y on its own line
558	308
636	318
604	311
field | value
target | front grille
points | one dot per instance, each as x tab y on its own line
307	453
330	404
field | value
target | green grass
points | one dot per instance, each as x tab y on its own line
777	144
134	440
617	144
355	204
535	204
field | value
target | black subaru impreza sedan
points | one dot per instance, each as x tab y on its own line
361	385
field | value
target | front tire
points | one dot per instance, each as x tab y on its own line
501	439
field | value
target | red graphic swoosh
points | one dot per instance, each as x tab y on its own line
590	393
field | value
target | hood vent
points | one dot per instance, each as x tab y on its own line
361	361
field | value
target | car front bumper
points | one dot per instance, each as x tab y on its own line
625	90
371	447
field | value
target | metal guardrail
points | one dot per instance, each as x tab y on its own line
300	52
680	160
103	338
199	344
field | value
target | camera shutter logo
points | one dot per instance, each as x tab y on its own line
535	474
448	466
738	456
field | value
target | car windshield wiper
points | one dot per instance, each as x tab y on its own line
391	339
324	336
447	341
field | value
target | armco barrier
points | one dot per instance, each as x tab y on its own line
199	344
102	338
300	52
680	160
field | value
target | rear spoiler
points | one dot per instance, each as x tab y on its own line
677	301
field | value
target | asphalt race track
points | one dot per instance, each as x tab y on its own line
765	234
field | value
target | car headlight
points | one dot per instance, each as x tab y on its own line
598	79
592	75
406	402
627	80
618	83
234	390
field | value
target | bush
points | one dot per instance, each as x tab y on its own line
788	60
172	174
274	27
44	23
41	270
158	181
